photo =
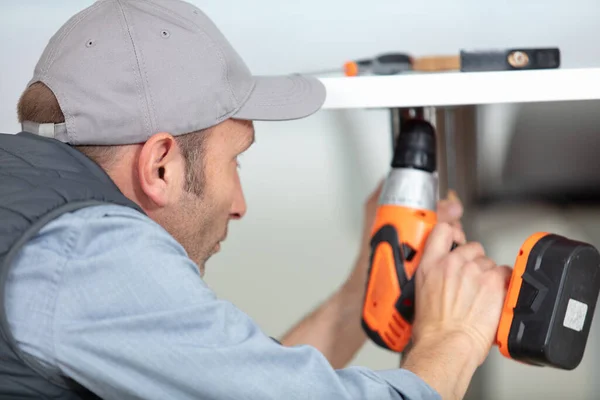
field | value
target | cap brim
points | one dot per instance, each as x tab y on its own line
281	98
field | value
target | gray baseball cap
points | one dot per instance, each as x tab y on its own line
123	70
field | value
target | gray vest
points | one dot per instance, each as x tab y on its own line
40	179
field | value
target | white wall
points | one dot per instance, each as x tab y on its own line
306	180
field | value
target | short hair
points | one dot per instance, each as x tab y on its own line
39	104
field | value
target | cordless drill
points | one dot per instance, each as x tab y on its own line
404	218
553	290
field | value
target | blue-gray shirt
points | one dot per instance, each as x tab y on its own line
106	296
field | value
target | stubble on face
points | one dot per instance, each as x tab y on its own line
202	217
202	226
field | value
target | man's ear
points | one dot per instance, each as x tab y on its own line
161	169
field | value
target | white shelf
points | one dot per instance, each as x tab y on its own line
462	88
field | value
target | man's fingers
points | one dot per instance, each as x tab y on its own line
458	234
452	195
485	263
457	224
438	244
470	251
449	211
505	273
499	277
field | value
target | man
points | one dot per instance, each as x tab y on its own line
120	188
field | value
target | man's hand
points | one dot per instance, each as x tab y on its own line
449	210
334	327
461	292
458	302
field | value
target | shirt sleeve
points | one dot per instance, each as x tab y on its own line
134	319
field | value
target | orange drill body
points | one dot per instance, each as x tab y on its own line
405	217
388	309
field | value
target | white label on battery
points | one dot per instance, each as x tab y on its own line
575	315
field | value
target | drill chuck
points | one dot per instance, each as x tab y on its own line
416	146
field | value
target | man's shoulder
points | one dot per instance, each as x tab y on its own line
102	227
99	272
81	256
106	213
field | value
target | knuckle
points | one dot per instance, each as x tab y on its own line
472	250
472	268
477	247
453	264
493	281
444	227
486	262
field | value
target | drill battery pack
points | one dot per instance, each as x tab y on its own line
551	302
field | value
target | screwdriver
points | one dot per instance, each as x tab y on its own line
395	63
465	61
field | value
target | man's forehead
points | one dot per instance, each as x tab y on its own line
235	133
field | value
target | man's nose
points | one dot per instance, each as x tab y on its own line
238	207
